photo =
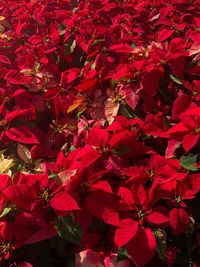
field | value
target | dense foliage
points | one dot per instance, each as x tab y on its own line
99	133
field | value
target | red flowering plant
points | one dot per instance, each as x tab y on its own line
99	133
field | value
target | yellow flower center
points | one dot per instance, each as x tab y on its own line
197	130
178	199
45	195
141	213
5	247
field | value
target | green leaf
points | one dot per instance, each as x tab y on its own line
123	149
122	254
5	212
126	111
68	229
133	45
188	162
191	244
98	41
175	79
160	236
62	28
72	148
114	83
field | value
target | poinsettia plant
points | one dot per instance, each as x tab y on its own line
99	133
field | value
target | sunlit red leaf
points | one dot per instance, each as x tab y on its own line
189	141
97	137
127	230
142	247
164	34
14	77
22	195
5	60
121	48
103	205
62	201
159	216
86	85
22	134
28	113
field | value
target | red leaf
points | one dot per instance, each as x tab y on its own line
142	247
14	77
150	83
118	138
121	48
26	225
97	137
115	165
87	156
194	112
181	103
195	181
4	59
127	230
102	185
27	113
20	27
5	181
140	195
177	129
172	146
25	264
177	65
178	220
127	199
21	195
170	256
189	141
35	39
151	128
32	229
123	73
86	85
69	76
22	134
158	217
131	98
64	202
164	34
103	205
